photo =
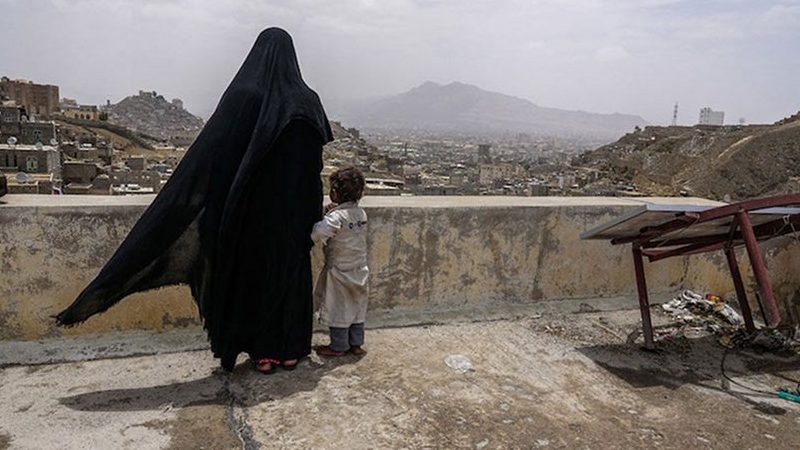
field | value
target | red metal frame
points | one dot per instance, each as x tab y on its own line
649	242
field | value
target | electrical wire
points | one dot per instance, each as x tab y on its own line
731	380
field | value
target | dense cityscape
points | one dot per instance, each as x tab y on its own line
55	145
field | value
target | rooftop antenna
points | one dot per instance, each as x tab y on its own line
675	115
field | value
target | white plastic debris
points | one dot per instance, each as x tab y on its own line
690	306
459	363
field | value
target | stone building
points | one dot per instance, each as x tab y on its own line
83	112
40	100
37	183
31	133
14	123
79	172
147	181
88	152
29	159
136	163
10	118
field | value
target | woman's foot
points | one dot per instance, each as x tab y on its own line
289	364
326	350
266	366
357	350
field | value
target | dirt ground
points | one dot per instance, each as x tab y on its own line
545	381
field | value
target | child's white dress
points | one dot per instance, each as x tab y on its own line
342	285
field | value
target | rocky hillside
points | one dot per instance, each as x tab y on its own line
151	114
735	162
458	107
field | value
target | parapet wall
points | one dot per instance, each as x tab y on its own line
427	254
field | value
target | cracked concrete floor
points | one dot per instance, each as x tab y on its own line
555	381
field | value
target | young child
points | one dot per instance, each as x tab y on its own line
342	284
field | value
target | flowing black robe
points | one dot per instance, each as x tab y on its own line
234	219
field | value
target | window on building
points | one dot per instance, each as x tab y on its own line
32	164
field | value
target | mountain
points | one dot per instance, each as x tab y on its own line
719	162
463	108
151	114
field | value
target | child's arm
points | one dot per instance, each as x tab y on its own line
326	228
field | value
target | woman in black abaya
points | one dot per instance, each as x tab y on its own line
234	220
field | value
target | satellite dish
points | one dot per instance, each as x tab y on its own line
22	177
54	142
12	140
39	146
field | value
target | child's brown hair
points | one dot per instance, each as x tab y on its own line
348	182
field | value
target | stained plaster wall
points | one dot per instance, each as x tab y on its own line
425	254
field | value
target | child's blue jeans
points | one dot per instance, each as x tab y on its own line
344	338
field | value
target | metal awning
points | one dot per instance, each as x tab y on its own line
660	231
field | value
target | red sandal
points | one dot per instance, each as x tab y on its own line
273	365
286	365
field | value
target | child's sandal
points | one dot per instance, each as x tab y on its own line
326	350
357	350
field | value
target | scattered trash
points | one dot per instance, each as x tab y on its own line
698	314
459	363
711	311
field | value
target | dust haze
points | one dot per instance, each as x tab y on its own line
628	56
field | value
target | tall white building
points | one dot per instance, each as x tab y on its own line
710	117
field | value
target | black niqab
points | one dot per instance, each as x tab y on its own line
194	230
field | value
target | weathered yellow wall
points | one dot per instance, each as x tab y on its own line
425	254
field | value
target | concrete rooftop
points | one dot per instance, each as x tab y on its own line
543	381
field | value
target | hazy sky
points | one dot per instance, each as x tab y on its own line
631	56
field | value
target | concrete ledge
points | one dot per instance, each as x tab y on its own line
428	255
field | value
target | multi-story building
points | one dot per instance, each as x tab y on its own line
10	118
32	133
710	117
30	159
484	155
39	100
14	124
489	173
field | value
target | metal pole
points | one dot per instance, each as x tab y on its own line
741	294
759	269
644	303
